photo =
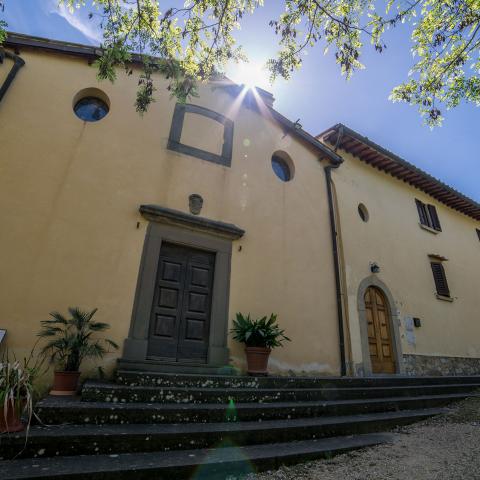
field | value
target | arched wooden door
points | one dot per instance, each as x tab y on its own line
380	342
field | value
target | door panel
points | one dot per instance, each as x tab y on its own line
379	334
195	322
180	318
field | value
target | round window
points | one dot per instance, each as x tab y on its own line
363	212
91	104
282	166
91	109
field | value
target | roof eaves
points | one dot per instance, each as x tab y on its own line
18	40
400	161
325	150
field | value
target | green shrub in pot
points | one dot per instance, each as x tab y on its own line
259	336
69	342
17	390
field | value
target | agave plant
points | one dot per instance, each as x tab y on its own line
262	332
17	385
70	340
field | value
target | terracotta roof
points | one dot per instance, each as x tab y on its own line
17	40
340	136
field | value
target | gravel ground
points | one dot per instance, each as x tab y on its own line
446	447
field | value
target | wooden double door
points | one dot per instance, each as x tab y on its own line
380	342
180	316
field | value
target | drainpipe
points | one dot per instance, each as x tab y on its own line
336	260
18	63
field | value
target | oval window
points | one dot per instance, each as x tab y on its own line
90	109
282	166
363	212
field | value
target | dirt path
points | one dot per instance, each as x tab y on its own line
443	448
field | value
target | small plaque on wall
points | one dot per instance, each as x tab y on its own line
409	333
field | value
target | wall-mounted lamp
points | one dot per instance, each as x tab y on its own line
374	267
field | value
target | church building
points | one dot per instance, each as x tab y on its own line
172	222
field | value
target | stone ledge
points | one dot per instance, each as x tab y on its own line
444	298
156	213
429	229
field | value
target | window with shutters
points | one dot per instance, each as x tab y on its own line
440	279
428	215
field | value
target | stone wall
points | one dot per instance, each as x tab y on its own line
433	365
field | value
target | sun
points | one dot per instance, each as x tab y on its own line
252	74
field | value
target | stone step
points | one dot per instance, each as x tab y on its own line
58	410
230	381
64	440
201	464
110	392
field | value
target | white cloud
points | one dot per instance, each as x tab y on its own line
78	20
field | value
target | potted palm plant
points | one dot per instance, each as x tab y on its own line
69	342
259	336
17	390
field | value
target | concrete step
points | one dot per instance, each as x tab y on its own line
201	464
64	440
111	392
58	410
231	381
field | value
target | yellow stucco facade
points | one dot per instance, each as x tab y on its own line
73	235
394	239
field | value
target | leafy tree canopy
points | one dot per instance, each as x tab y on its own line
196	39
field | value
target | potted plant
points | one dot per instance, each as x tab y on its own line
259	337
70	341
17	391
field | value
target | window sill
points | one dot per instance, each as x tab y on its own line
429	229
444	298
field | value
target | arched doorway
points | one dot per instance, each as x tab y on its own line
380	337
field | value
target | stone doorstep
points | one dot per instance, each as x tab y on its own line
50	441
54	410
110	392
210	464
230	381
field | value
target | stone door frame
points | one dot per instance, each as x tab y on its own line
394	318
167	225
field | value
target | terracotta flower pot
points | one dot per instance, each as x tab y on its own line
65	383
11	421
257	360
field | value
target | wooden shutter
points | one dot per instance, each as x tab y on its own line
432	211
422	212
440	279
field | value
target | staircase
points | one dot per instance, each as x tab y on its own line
169	426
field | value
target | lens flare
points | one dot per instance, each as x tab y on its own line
231	415
251	74
225	460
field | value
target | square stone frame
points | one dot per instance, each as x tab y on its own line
174	143
366	367
171	226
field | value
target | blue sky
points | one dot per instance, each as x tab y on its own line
318	95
